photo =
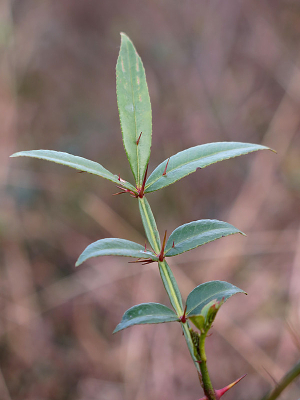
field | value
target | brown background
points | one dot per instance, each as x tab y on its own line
217	71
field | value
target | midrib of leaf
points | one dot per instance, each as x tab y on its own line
212	298
185	163
134	108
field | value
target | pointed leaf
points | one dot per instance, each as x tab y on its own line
189	160
134	108
149	224
79	163
197	233
207	293
147	313
115	247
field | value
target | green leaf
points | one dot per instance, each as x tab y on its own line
134	108
79	163
115	247
147	313
189	160
208	293
197	233
149	224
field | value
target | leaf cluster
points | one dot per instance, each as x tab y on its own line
134	106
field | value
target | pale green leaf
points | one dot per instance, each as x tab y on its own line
147	313
197	233
134	108
79	163
189	160
208	293
115	247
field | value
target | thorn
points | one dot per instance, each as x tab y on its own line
148	262
145	246
165	171
220	392
120	179
183	317
161	254
198	361
209	335
144	261
138	141
173	245
81	172
142	189
124	190
116	194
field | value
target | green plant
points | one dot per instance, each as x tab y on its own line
204	302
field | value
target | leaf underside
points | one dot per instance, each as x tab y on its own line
197	233
206	293
115	247
79	163
147	313
189	160
134	108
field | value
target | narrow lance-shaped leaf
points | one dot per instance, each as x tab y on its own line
134	108
115	247
147	313
206	293
189	160
197	233
79	163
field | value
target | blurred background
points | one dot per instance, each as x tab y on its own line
217	71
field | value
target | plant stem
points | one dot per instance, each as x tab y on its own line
207	385
173	292
293	373
171	287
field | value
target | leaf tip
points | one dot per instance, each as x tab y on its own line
116	329
15	155
78	262
124	36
